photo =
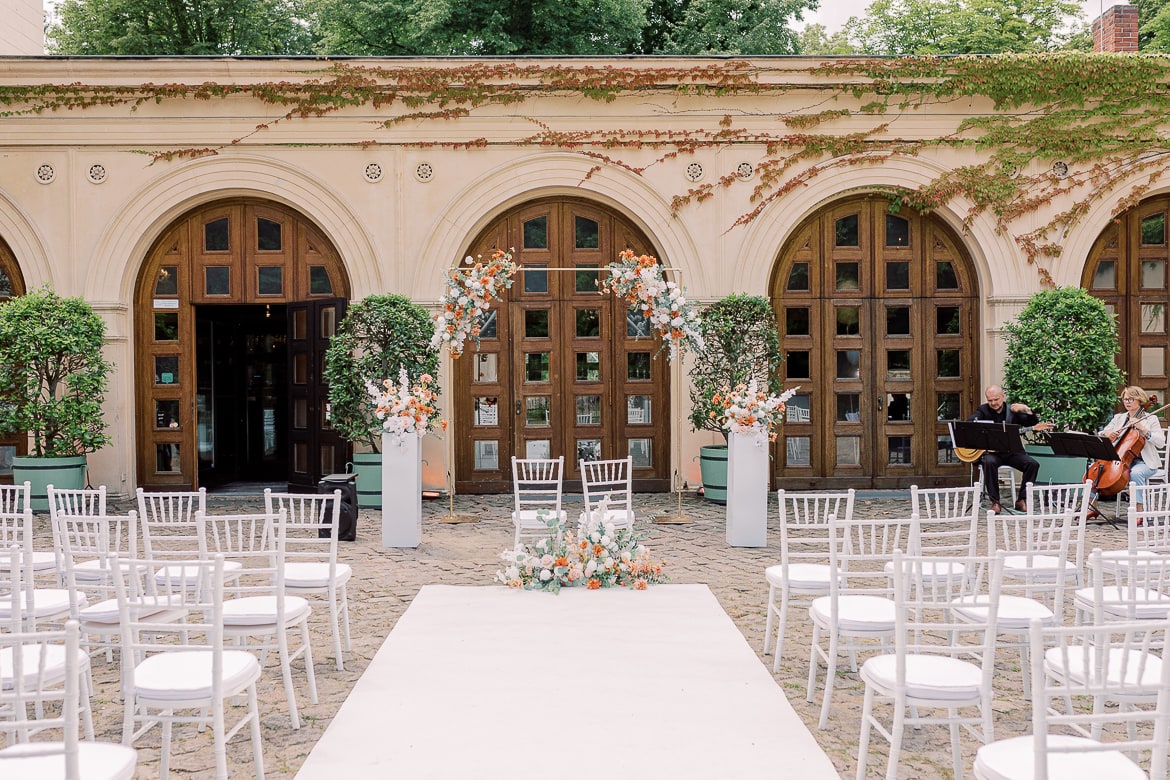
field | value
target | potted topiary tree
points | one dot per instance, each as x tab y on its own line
53	379
380	335
741	345
1060	362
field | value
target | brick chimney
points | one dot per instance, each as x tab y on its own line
1116	29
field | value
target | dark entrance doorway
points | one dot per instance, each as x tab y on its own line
241	367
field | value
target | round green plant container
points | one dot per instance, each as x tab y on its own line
66	473
368	467
713	467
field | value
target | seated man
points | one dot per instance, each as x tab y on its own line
997	410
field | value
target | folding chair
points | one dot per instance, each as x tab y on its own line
537	485
803	570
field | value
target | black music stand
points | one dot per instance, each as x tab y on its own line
995	437
990	436
1091	447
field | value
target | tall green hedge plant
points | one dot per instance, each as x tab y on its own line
1060	359
379	335
741	344
53	376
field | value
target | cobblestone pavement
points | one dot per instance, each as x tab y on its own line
385	581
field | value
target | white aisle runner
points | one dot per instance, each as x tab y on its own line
488	682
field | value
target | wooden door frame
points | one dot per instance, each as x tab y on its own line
11	269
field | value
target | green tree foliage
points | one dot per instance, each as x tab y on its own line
814	40
52	373
962	26
1060	359
738	27
742	345
1153	25
179	27
380	335
478	27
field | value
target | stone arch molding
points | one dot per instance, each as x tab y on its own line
1081	237
28	245
153	208
543	175
777	223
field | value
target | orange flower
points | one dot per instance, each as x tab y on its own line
593	584
640	585
562	561
598	549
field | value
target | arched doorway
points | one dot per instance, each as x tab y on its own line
561	369
878	317
233	311
11	285
1126	269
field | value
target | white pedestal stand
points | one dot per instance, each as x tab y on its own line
401	490
747	490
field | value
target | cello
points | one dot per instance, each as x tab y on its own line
1110	477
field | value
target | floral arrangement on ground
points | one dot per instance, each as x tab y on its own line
748	410
597	555
468	297
404	408
639	280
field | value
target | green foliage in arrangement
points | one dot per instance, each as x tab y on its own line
52	373
741	345
379	335
1060	359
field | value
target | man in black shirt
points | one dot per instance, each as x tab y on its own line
997	410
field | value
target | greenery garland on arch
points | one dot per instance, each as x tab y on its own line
1067	127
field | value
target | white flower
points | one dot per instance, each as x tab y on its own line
545	575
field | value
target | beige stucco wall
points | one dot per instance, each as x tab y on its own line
400	234
22	32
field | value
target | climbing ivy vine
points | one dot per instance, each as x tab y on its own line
1067	127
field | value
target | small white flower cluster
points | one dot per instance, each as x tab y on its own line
403	409
468	298
746	410
639	280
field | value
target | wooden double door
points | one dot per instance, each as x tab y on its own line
562	369
234	309
878	316
11	285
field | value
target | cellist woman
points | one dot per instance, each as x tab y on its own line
1135	417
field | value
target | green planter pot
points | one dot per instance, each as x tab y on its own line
368	467
65	473
1054	469
713	467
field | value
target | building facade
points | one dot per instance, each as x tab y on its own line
219	214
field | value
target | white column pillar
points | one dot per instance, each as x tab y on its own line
401	490
747	490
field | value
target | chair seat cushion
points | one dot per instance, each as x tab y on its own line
1139	669
94	570
802	577
1013	563
178	675
107	611
175	574
937	677
32	665
942	569
42	560
1147	604
1012	759
1014	614
314	575
261	610
857	614
97	761
47	602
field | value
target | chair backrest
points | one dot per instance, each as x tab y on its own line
1133	653
90	548
859	552
804	524
81	502
308	525
35	682
924	609
254	541
1035	543
611	480
170	515
1155	495
14	499
1076	496
1130	586
1148	530
537	483
948	520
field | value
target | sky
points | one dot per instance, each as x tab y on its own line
834	13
